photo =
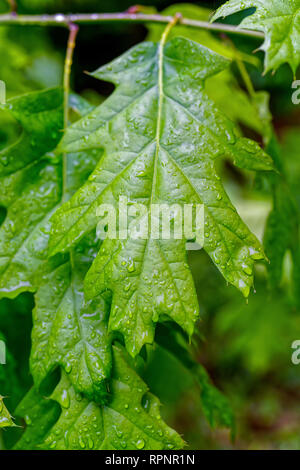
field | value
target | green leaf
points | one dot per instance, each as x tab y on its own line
15	370
163	155
5	418
33	182
130	421
279	20
29	188
40	415
69	332
15	61
215	405
233	101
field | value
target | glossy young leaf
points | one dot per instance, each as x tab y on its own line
14	380
279	20
5	418
164	155
130	421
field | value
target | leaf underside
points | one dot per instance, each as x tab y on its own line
160	135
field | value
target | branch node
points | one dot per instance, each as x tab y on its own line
178	17
134	9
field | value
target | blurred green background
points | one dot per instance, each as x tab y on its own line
246	347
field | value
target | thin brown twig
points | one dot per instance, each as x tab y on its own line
13	6
73	31
90	18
